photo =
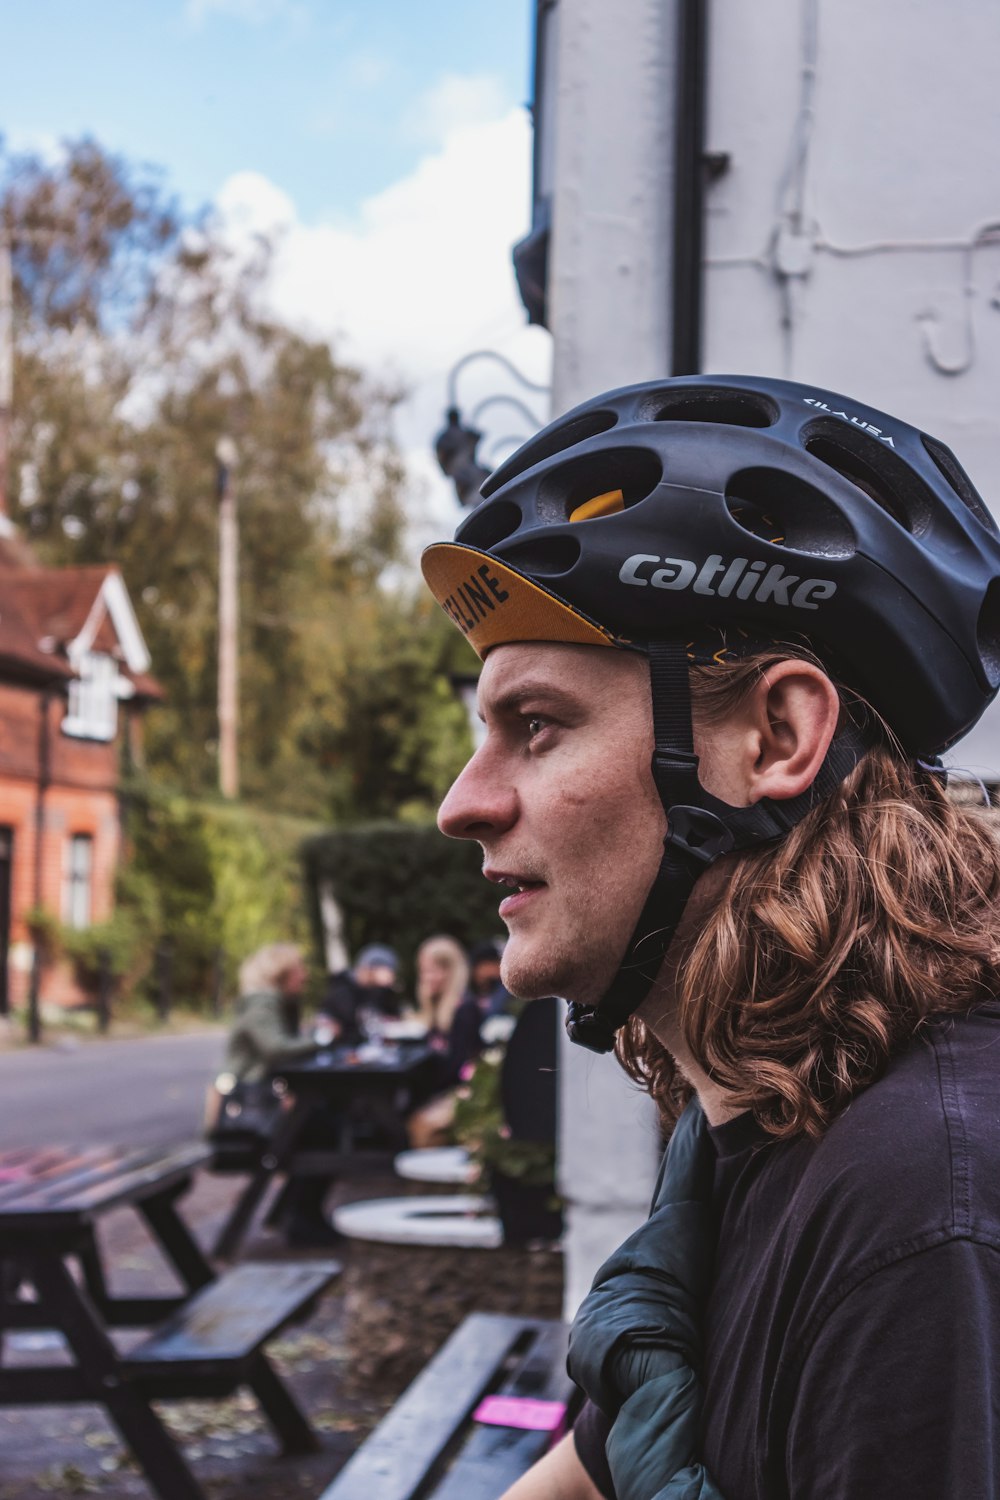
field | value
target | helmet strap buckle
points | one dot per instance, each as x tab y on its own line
698	833
587	1028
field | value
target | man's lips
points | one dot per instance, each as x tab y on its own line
523	889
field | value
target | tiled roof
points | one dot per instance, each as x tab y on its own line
21	649
41	611
57	601
39	608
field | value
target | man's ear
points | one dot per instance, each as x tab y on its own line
794	710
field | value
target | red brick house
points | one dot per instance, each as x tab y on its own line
73	684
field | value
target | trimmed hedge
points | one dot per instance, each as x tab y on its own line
398	883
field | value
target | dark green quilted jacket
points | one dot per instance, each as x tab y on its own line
636	1346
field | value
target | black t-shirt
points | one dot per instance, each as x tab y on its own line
853	1326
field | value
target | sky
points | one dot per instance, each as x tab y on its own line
387	143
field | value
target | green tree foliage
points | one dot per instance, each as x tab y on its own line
86	238
141	338
397	736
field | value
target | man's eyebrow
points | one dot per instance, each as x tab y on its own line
512	699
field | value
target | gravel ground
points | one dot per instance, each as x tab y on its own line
371	1333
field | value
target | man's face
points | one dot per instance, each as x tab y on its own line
433	973
295	979
561	798
485	975
375	976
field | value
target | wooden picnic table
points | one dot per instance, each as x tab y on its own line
205	1341
379	1082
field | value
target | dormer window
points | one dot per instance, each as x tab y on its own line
93	698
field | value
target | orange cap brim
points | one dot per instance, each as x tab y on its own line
494	605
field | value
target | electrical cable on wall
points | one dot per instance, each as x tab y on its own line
790	249
796	237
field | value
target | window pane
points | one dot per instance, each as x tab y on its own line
77	880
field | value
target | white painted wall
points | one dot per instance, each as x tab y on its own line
608	285
865	143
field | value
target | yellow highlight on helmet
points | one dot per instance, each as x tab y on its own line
607	504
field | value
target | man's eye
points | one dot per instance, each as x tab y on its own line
534	726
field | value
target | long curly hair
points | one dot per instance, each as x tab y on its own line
824	953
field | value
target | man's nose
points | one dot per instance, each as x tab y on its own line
481	803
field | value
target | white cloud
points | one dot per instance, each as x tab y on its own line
427	260
35	143
453	103
251	204
421	278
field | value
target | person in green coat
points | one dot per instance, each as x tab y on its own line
265	1035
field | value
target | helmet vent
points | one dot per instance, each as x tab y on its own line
634	471
489	524
788	512
543	556
548	443
988	633
725	407
873	469
948	465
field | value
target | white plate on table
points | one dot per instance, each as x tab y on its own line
406	1029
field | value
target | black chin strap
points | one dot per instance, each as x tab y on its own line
700	828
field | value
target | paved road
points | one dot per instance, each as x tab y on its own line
145	1092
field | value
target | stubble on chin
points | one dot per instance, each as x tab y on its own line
524	979
559	971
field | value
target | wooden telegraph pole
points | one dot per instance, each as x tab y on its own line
229	775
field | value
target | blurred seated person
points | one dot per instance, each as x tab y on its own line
264	1036
484	972
357	999
485	996
442	977
265	1031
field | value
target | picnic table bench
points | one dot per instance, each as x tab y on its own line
430	1446
204	1342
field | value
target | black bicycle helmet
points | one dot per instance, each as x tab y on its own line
776	508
